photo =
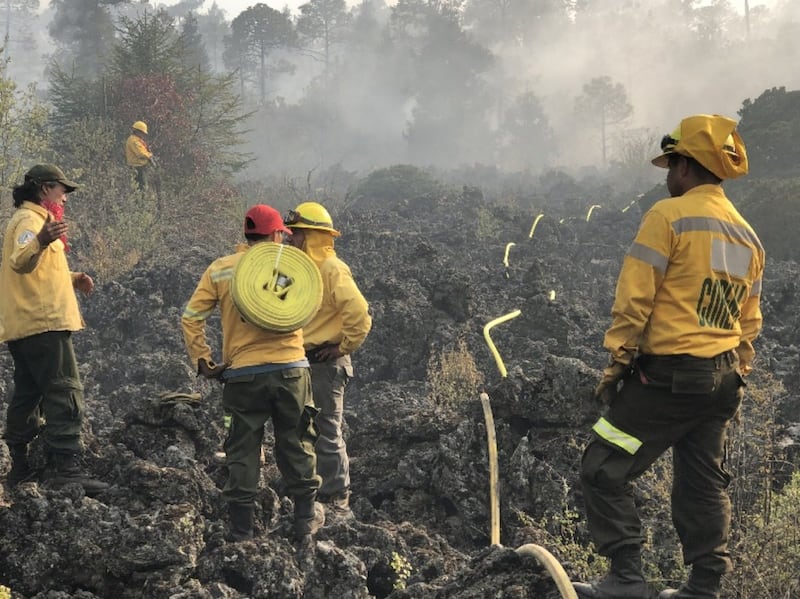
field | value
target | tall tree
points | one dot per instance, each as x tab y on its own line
255	34
214	27
526	138
603	104
84	31
449	120
192	40
515	22
322	24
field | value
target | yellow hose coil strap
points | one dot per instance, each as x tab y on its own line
276	287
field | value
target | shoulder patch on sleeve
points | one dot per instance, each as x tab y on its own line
26	237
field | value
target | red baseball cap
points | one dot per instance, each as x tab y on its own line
264	220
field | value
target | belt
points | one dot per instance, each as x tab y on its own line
725	359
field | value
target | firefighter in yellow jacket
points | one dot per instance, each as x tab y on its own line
38	314
685	316
335	332
266	375
138	154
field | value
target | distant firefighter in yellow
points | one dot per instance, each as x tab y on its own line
138	154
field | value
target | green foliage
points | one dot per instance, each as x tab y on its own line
402	569
395	184
526	140
323	23
770	127
24	137
255	34
561	534
453	376
768	205
84	31
769	551
149	45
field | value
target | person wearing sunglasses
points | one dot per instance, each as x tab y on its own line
336	331
686	312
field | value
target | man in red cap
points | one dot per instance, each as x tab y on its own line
686	312
266	374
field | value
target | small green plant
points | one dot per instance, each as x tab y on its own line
453	375
5	592
402	569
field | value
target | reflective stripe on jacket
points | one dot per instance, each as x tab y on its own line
243	344
37	286
343	317
691	281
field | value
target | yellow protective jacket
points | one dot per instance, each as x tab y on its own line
37	291
243	344
343	317
690	283
136	151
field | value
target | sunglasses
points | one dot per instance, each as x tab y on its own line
294	218
668	142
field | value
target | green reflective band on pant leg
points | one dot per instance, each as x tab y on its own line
226	421
616	437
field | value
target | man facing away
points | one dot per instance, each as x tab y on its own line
138	154
266	375
336	331
686	312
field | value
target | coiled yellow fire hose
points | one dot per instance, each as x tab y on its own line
544	557
276	287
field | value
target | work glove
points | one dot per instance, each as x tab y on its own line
606	389
210	370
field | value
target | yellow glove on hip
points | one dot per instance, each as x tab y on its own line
606	389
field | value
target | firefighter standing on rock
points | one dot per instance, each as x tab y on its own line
686	312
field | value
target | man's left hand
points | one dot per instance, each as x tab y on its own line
84	283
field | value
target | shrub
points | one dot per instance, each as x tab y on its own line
453	375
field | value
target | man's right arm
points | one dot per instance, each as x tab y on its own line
193	321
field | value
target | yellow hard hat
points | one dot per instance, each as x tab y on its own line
310	215
140	126
712	140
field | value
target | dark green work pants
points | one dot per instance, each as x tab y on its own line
285	396
46	385
680	402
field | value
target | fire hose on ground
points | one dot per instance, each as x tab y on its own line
544	557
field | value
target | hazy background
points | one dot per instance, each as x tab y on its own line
521	86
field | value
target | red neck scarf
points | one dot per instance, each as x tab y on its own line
57	211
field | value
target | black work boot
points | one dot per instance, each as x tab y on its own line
623	581
241	525
21	470
66	469
702	584
339	504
